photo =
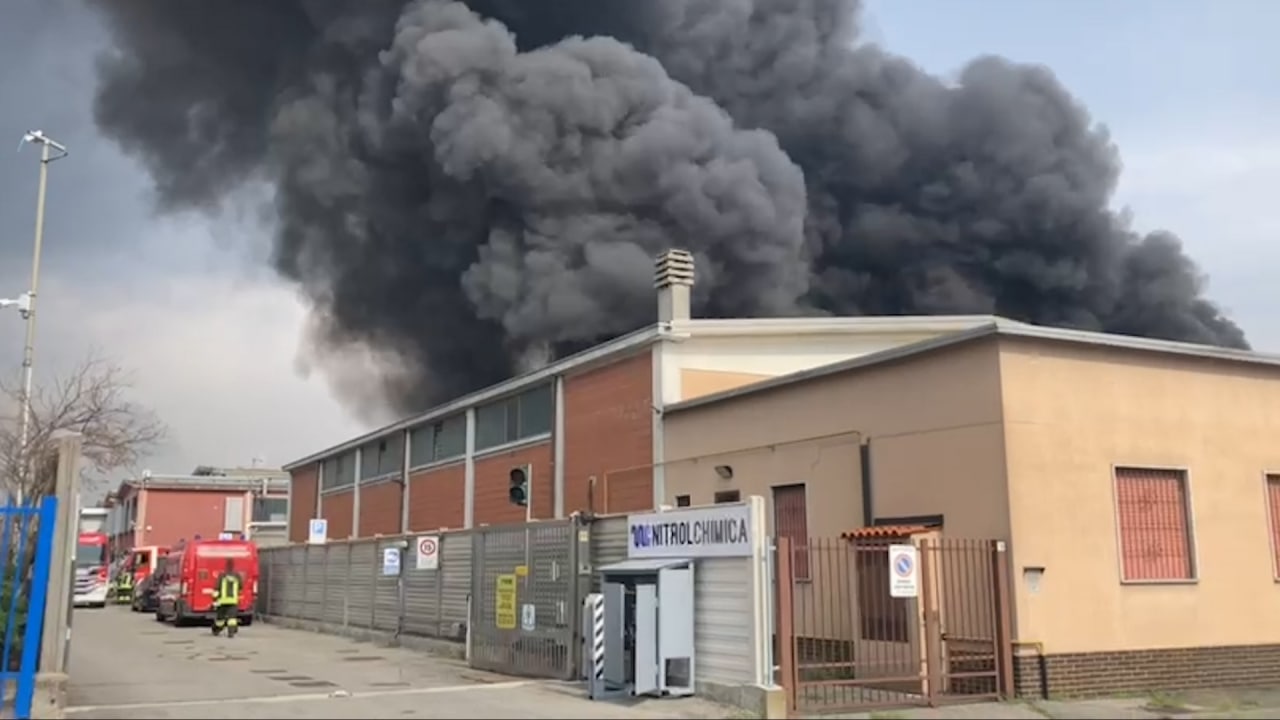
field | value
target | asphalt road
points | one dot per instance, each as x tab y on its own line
127	665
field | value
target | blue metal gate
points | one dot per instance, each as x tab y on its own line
25	548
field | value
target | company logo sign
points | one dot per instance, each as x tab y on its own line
723	531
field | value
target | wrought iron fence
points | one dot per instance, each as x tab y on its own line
886	622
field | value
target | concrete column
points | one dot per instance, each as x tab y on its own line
469	497
55	637
557	457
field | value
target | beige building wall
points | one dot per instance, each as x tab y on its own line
1072	412
934	425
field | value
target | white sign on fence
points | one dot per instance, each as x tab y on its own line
904	571
429	552
391	561
317	531
720	531
529	617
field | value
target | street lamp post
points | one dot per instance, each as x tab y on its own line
27	303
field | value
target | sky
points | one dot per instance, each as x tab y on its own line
213	340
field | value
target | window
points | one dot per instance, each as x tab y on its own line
791	521
1154	526
267	508
382	457
1273	503
727	496
91	554
515	418
339	471
682	501
881	616
439	441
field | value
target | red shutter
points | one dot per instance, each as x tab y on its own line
1155	538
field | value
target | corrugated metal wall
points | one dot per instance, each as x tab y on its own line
722	619
341	585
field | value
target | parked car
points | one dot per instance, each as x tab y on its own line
144	593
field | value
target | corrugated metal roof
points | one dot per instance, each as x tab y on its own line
884	531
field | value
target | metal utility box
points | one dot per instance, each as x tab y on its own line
648	627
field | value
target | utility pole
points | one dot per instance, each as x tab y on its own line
48	146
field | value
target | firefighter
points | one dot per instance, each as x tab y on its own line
226	600
124	586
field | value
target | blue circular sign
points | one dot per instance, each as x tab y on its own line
902	565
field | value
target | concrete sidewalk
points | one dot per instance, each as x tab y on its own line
126	665
1191	705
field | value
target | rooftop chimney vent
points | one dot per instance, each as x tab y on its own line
673	277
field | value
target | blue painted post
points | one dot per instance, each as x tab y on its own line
35	608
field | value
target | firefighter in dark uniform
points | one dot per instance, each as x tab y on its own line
226	600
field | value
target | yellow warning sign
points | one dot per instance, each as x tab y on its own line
505	612
522	570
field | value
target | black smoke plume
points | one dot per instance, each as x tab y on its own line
473	188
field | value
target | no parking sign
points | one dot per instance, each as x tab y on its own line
904	571
429	552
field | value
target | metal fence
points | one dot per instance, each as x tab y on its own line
516	589
861	628
26	546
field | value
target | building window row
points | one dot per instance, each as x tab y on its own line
382	457
507	420
270	509
514	418
440	441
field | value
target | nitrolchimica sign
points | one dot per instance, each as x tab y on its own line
723	531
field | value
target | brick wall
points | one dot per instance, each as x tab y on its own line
493	481
380	508
437	498
1110	673
302	504
608	428
168	516
336	508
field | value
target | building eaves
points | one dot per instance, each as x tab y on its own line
626	343
995	326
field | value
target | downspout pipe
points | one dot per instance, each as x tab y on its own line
864	461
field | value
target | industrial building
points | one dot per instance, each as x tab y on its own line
584	433
1135	482
163	509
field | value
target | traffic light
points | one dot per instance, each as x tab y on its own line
519	490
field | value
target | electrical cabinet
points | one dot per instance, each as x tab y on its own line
648	628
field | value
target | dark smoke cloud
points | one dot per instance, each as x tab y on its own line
475	188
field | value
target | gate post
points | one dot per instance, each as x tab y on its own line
1004	622
934	672
786	642
55	640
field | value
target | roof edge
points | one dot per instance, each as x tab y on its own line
996	326
890	324
619	345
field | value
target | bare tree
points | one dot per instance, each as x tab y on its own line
93	400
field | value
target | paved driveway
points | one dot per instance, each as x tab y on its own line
126	665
